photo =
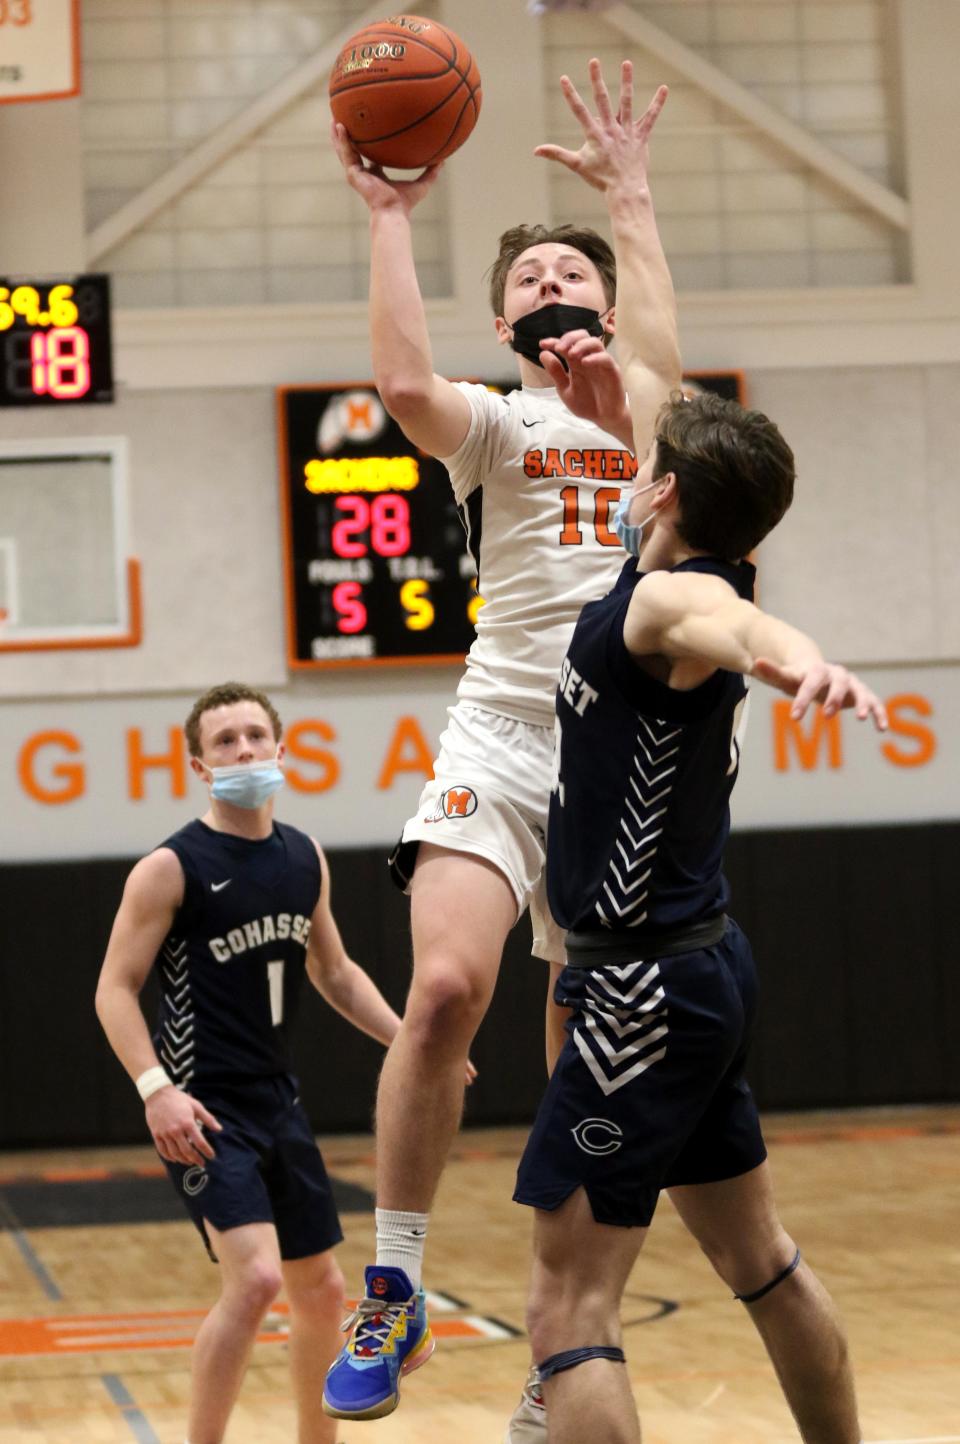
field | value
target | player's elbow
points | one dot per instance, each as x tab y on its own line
406	397
103	1002
328	974
113	994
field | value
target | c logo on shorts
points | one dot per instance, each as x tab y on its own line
195	1180
597	1135
455	802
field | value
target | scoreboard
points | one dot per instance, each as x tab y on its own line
377	571
55	345
376	564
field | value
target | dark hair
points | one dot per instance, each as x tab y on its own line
518	239
734	471
221	696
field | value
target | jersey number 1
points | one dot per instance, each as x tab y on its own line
604	498
275	981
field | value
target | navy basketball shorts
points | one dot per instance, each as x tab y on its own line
648	1091
267	1169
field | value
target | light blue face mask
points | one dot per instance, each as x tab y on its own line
631	537
249	784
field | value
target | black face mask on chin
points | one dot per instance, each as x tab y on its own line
553	320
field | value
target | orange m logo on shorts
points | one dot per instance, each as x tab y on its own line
454	803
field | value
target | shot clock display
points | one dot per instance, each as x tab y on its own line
55	341
377	570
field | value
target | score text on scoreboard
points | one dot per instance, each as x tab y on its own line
55	342
376	565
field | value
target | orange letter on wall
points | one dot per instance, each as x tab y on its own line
72	772
787	729
406	736
138	761
297	747
924	737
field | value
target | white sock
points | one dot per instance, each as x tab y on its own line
400	1241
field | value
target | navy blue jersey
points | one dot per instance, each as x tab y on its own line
640	809
232	964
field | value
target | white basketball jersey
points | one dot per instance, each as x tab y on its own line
537	487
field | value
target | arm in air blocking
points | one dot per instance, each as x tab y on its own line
614	159
694	618
151	897
433	413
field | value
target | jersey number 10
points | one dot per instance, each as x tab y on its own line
603	499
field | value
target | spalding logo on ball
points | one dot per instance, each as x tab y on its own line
407	91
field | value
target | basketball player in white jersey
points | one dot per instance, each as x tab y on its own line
537	474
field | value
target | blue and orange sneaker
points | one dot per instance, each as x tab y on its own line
389	1336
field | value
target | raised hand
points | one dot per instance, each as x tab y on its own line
825	682
615	146
378	190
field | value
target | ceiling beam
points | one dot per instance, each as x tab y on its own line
771	122
217	147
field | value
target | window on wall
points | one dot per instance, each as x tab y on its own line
67	578
736	210
274	222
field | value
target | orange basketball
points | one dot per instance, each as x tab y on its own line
407	90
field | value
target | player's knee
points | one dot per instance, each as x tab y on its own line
447	1004
552	1310
320	1298
746	1264
257	1288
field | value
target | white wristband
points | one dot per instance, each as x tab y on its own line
151	1081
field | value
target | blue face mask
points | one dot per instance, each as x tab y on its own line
631	537
250	784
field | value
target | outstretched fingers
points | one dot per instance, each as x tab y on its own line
577	104
625	113
868	704
600	92
813	684
557	152
650	116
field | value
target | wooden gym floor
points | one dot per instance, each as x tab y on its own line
95	1319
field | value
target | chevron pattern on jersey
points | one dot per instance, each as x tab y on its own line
176	1035
624	894
623	1029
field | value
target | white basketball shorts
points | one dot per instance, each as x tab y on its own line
490	796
